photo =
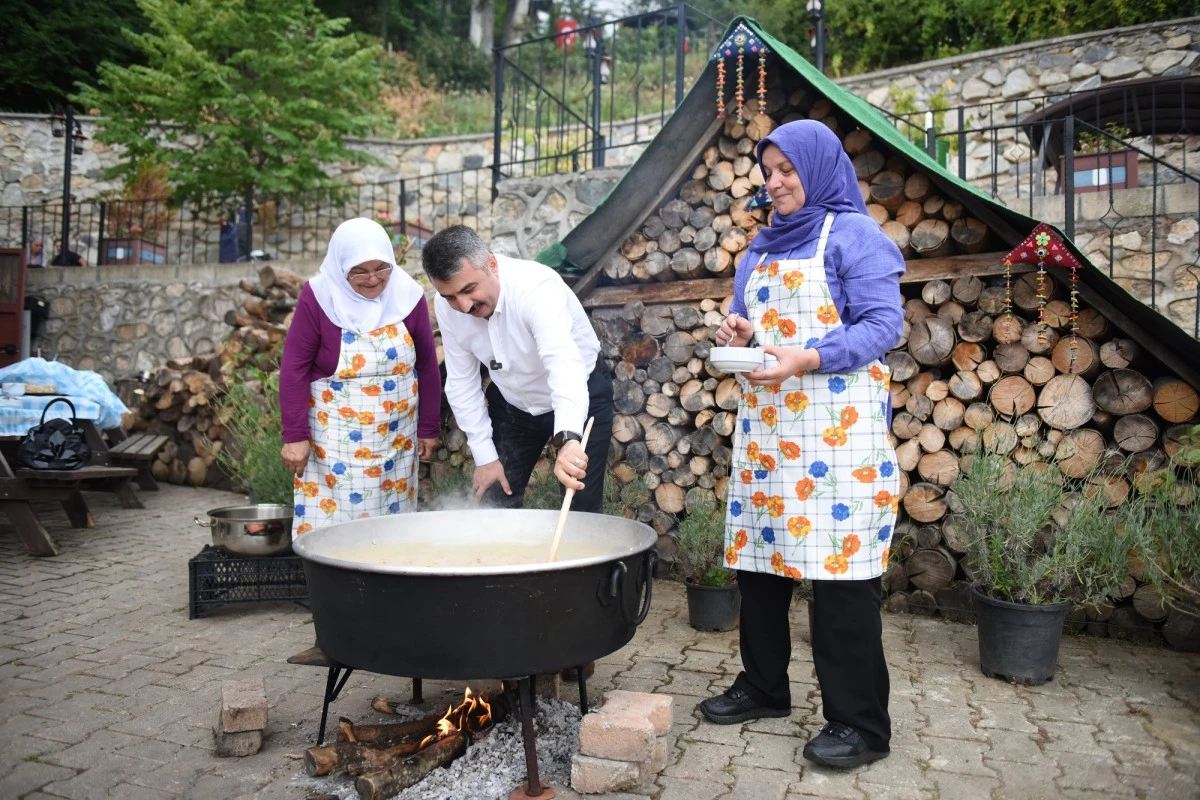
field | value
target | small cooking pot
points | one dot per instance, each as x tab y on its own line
259	530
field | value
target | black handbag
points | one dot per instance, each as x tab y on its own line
55	443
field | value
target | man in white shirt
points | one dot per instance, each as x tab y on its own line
521	321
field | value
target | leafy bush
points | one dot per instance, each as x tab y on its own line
1032	537
249	410
701	539
1169	543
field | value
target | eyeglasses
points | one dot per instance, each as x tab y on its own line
360	278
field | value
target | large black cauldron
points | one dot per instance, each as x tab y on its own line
462	622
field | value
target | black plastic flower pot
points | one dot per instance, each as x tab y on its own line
1018	641
713	608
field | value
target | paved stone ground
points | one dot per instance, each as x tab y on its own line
108	690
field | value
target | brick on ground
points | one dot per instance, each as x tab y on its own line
243	706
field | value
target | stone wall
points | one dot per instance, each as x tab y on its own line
998	87
123	320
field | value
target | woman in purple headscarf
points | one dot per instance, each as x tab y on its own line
813	484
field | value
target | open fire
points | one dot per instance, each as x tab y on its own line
473	715
390	757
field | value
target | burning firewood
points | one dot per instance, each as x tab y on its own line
355	757
402	774
387	733
395	755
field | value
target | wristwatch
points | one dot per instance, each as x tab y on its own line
562	437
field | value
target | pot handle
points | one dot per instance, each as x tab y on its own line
618	578
202	523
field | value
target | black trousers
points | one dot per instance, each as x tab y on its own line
520	438
847	648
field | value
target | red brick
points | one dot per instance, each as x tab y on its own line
623	734
601	775
660	752
654	707
243	707
244	743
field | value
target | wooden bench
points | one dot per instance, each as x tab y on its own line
138	451
315	657
64	485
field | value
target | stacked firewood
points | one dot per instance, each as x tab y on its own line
973	371
181	398
980	363
704	230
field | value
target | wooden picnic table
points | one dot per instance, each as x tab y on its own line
19	488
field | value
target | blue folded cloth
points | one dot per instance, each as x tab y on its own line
68	381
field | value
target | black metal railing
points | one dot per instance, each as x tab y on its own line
576	99
151	232
1076	172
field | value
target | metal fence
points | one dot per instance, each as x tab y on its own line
590	96
1129	201
150	232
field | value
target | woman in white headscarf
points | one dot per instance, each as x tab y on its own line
359	386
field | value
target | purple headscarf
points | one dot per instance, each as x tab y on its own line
829	184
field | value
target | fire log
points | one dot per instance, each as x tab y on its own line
402	774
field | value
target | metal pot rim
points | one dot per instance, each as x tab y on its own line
308	546
243	512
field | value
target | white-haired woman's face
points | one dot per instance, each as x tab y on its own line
369	278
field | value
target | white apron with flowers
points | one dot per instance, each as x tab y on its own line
363	424
813	483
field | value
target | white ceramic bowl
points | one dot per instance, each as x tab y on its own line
736	359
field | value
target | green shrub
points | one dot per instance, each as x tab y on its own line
249	410
701	540
1033	537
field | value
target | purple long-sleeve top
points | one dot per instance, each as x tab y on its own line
863	269
311	352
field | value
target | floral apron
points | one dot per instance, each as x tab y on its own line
363	424
813	483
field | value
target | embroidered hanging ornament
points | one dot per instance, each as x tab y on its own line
741	41
1041	247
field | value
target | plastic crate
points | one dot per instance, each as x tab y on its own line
217	579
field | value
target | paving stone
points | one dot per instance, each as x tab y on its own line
97	780
1006	716
950	724
1071	737
30	775
827	783
758	783
956	786
693	789
1013	746
704	760
767	751
689	682
704	661
893	792
94	750
1090	772
961	758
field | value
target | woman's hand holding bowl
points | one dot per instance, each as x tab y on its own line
788	361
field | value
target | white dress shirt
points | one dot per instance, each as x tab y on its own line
542	341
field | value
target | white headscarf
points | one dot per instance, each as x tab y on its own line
355	242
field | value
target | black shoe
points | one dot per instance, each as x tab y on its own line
839	745
734	705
